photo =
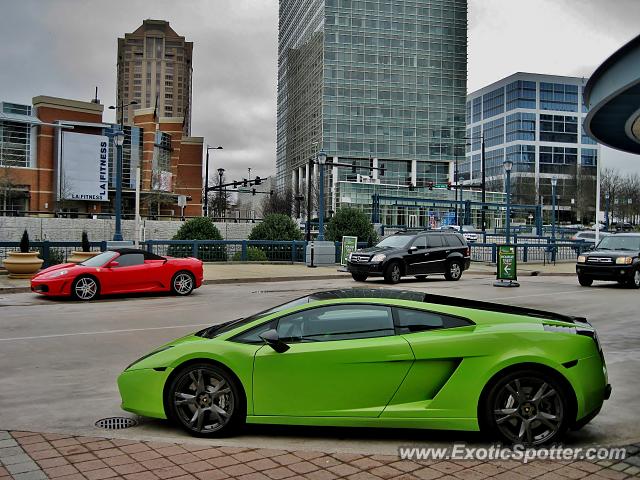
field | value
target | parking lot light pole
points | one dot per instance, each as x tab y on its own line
223	203
206	180
554	184
508	165
606	211
322	160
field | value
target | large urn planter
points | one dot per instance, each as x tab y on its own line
22	265
80	256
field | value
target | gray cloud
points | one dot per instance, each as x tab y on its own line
66	47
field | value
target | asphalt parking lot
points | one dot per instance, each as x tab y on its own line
60	359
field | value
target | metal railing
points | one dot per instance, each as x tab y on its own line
531	252
52	253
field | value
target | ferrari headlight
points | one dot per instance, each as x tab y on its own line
57	273
624	260
582	259
378	258
144	357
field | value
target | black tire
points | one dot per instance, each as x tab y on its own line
421	277
393	273
585	281
195	402
453	271
183	283
359	277
529	421
634	281
85	288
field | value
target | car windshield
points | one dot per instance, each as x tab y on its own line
395	241
99	260
620	242
215	330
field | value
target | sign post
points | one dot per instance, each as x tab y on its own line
507	274
349	245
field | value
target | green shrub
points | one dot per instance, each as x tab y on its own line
56	256
351	222
200	228
276	226
254	254
86	246
24	242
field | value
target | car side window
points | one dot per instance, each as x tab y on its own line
454	241
336	322
252	336
412	321
130	260
434	241
420	242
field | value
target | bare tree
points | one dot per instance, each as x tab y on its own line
220	200
278	202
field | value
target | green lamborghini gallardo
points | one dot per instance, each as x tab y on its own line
379	358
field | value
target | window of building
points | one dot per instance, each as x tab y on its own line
558	128
589	157
522	156
558	96
521	126
494	132
558	155
586	139
493	103
521	94
477	109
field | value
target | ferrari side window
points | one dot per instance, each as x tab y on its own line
337	322
130	259
412	321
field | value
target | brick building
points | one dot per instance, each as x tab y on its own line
48	165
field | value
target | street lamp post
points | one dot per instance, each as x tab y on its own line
554	184
455	181
322	160
118	138
508	165
223	202
206	181
484	188
606	211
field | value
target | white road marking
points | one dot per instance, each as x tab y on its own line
107	332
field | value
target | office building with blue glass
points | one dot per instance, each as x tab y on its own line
535	121
379	84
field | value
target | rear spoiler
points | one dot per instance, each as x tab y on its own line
501	308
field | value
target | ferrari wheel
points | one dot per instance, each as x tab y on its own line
205	400
527	407
182	283
84	288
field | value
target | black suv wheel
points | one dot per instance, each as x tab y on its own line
359	277
453	271
393	272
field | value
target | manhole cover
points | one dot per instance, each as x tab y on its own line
116	423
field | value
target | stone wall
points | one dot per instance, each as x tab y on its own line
70	229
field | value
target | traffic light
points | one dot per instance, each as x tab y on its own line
253	191
258	181
448	185
411	187
244	182
271	192
353	167
382	170
189	198
430	185
235	184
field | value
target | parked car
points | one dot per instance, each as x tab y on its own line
616	258
419	254
379	358
123	270
470	233
588	236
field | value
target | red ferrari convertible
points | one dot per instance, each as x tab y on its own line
123	270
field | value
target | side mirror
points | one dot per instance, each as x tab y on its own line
112	264
272	339
413	249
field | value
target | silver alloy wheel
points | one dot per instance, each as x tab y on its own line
203	400
395	273
85	288
183	283
528	411
454	270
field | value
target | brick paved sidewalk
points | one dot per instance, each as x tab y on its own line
35	456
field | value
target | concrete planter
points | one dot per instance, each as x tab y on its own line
79	256
22	265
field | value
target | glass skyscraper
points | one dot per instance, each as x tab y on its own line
536	122
374	83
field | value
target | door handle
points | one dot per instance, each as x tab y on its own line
446	251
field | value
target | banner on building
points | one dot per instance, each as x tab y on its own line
83	167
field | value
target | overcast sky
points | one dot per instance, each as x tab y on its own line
65	48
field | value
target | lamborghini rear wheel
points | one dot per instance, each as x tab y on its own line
527	407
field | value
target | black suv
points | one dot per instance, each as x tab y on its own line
616	258
418	254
